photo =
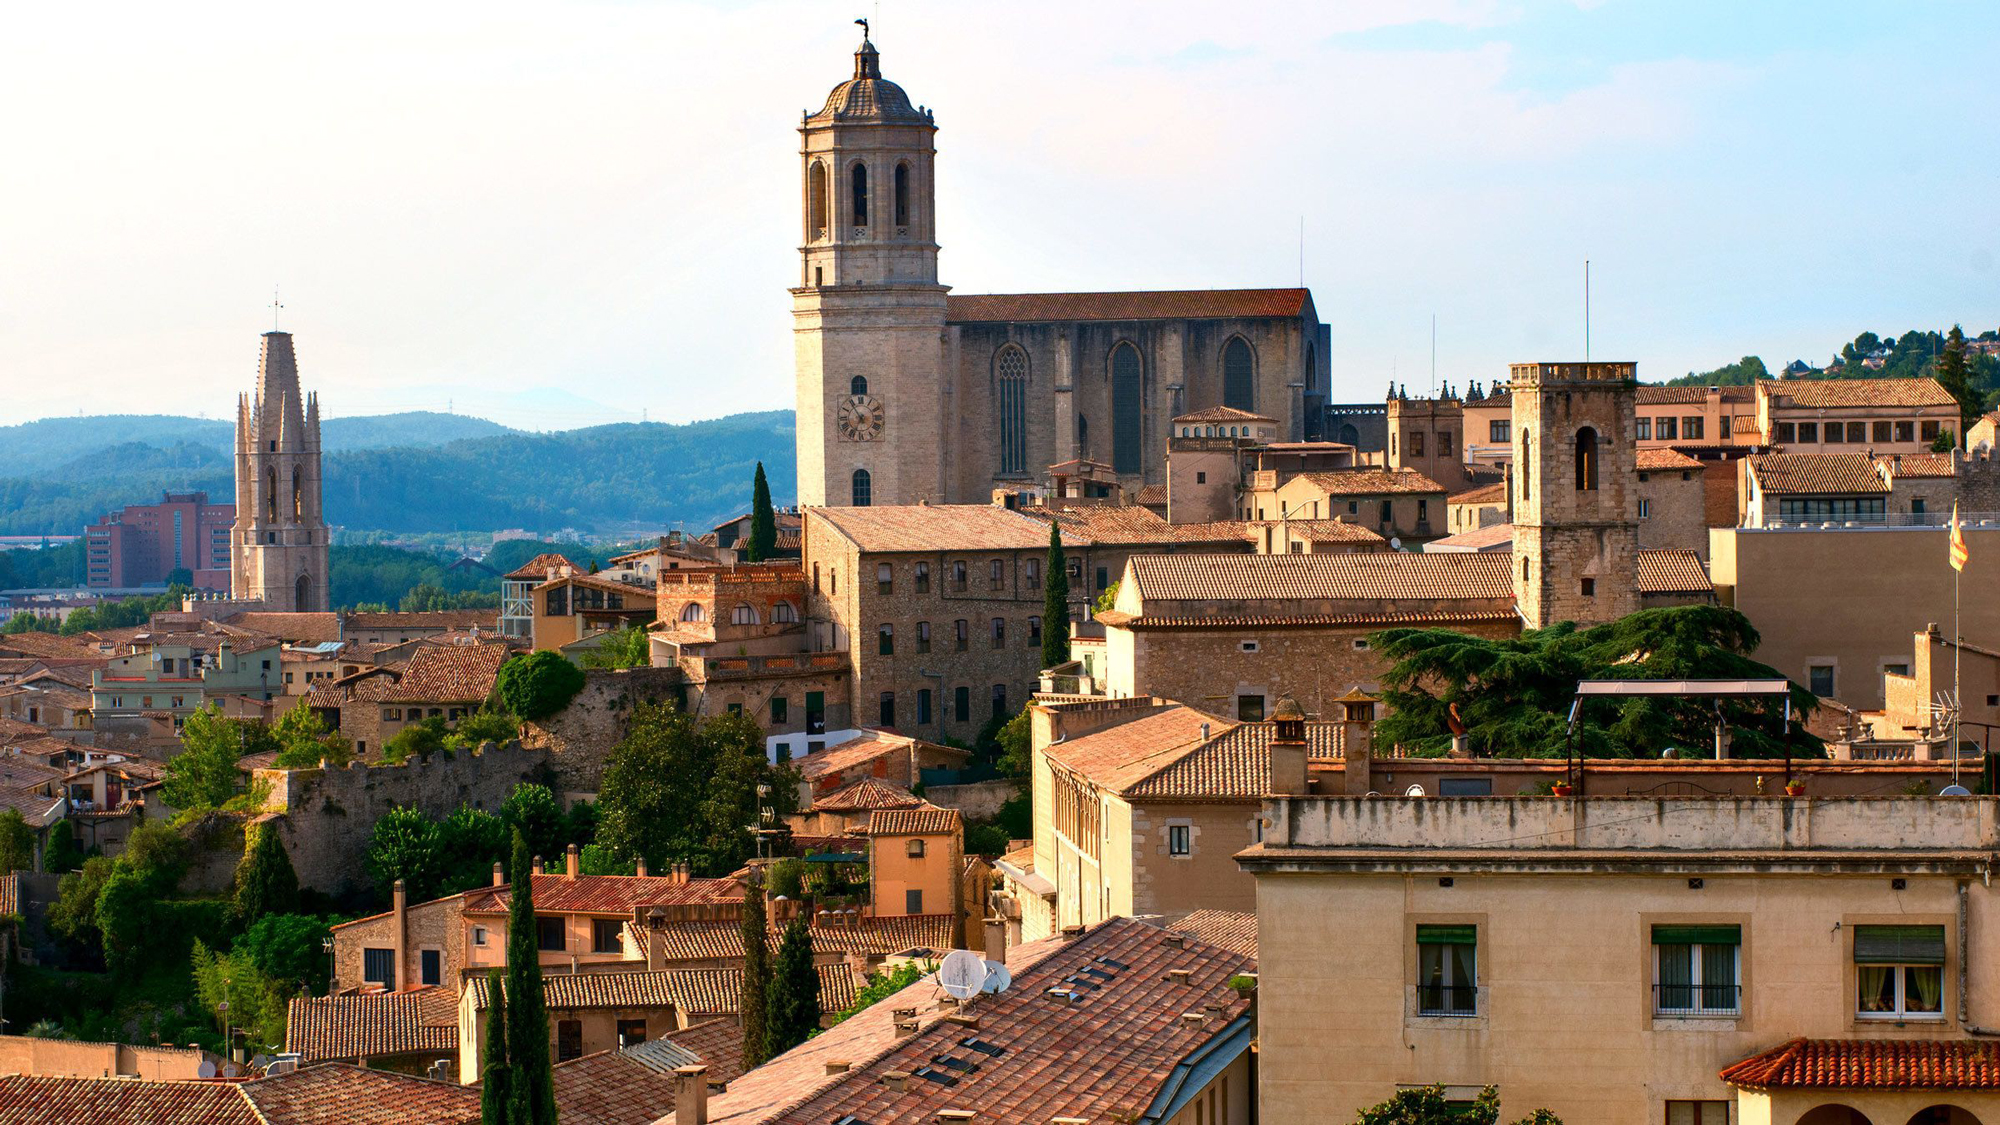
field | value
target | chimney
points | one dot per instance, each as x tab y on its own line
538	865
570	863
1177	976
1288	749
691	1095
1357	734
837	1066
400	897
642	867
499	875
894	1079
907	1028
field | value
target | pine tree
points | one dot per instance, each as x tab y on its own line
756	973
763	521
793	1012
531	1095
1955	376
1055	603
495	1075
265	880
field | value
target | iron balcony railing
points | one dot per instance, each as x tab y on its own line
1447	1000
1698	999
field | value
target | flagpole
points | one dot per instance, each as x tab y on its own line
1957	654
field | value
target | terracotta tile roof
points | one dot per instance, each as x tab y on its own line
37	810
351	1095
719	1043
1165	756
1109	526
1495	493
10	894
613	1088
1663	460
39	1100
694	991
1388	575
866	747
1872	1064
867	793
1649	395
1835	393
931	528
538	568
723	941
1792	473
1153	495
1194	304
1673	571
1307	620
373	1023
81	646
14	730
1372	482
14	667
1922	465
605	894
1493	537
1106	1055
434	674
298	628
1227	929
925	821
1223	415
442	619
1331	531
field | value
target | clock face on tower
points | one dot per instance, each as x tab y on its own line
861	418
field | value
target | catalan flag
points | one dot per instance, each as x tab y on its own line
1959	555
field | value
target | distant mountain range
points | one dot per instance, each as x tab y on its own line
410	472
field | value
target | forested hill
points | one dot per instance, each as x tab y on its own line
1911	355
62	474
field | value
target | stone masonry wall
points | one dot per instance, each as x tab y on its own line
579	738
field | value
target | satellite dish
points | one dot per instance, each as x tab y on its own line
962	974
1954	791
997	978
205	1070
1414	791
1396	543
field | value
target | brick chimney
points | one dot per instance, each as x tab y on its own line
1288	749
401	900
1357	732
499	875
691	1095
570	863
538	865
642	867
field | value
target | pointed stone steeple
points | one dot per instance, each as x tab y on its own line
279	542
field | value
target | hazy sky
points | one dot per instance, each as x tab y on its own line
555	214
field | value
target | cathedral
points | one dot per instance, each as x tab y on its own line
278	547
909	394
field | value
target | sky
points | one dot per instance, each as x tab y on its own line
563	214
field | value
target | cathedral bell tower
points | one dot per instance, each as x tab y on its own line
278	547
868	312
1576	528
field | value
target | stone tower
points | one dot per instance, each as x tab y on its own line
278	547
868	312
1576	531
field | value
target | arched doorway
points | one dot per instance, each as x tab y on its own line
1835	1115
1943	1115
1349	435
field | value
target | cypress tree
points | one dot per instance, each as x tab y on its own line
793	1013
756	972
265	880
1954	374
531	1095
763	520
494	1073
1055	603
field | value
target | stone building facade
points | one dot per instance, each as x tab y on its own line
1672	495
279	542
906	394
1576	534
1428	436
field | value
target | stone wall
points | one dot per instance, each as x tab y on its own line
1675	516
980	800
325	816
579	738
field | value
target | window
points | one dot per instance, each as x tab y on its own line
815	712
923	706
1388	513
1586	458
631	1033
1416	443
1444	444
1010	392
1465	787
1899	972
1896	669
1497	431
1857	432
864	490
999	632
922	577
1691	427
1695	970
1103	579
1809	433
1819	679
1840	509
1180	840
885	640
923	636
1663	428
1447	970
1250	708
1238	383
1589	587
859	177
1928	431
902	195
999	701
1881	431
604	934
1697	1113
816	202
888	709
1423	510
569	1040
961	704
914	849
430	963
1645	509
743	614
913	901
1916	509
961	634
996	575
780	707
1031	572
958	576
378	966
1906	431
479	935
549	934
1034	631
1722	426
1127	389
784	614
885	578
1643	427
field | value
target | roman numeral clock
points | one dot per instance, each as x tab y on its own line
861	418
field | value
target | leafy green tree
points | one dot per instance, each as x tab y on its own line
1945	442
17	842
126	912
418	740
787	878
884	983
1513	695
538	685
756	972
1747	371
62	855
304	741
532	811
47	1029
596	859
531	1083
1014	741
675	789
1426	1105
470	842
495	1075
1955	376
404	845
286	948
256	1002
1055	603
792	1005
630	647
203	775
763	520
1106	599
74	912
265	880
180	576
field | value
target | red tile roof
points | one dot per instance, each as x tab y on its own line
1664	460
373	1024
1227	415
938	527
331	1094
1873	1064
864	748
612	1088
922	821
1922	465
867	793
1492	537
606	894
434	674
718	1042
707	992
1649	395
1184	755
298	628
1373	576
1232	930
538	568
1372	482
440	619
1495	493
1794	473
1672	571
723	940
1834	393
1195	304
1331	531
40	1100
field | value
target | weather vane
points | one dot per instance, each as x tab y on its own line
275	307
864	29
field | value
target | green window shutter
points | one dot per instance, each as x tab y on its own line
1899	945
1447	935
1697	935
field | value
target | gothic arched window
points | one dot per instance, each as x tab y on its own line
298	492
784	614
858	385
902	195
1082	438
1527	465
863	489
1127	412
859	175
1010	378
1586	460
816	215
270	493
1237	371
302	595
